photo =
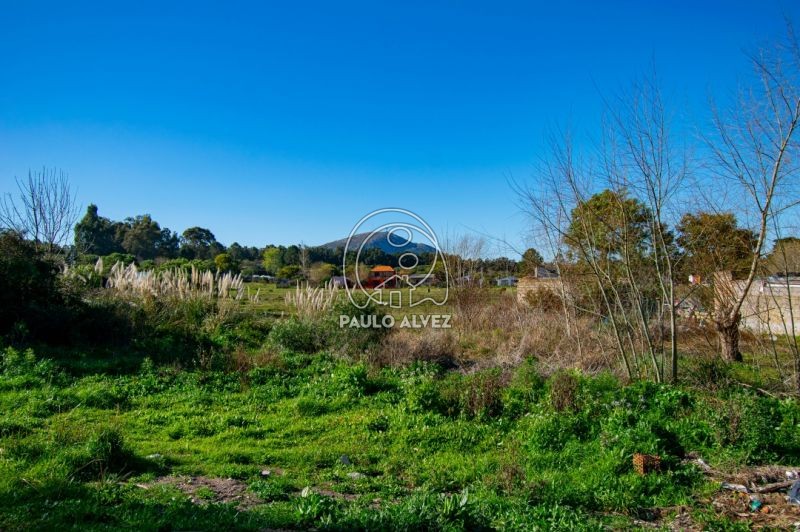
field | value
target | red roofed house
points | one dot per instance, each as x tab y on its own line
381	277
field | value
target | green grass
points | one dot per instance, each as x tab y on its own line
272	300
432	450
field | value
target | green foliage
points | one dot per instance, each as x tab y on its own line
272	259
225	263
349	340
564	389
96	234
438	451
602	227
714	242
478	395
531	259
34	302
199	243
105	453
142	237
290	272
295	334
785	256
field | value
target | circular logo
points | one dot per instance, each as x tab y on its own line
413	259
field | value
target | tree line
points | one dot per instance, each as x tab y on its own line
143	240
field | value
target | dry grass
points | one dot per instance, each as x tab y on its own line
491	330
312	302
178	283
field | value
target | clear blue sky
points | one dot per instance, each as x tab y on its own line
286	122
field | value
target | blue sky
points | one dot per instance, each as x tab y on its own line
286	122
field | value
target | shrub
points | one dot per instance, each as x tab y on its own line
564	388
474	396
29	290
544	299
524	389
105	452
296	335
348	340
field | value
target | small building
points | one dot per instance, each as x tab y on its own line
543	278
507	281
772	305
421	279
381	277
340	281
545	272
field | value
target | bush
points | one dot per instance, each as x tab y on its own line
564	388
104	453
29	290
525	389
544	299
348	340
478	395
296	335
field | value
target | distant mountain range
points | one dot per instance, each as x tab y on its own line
380	240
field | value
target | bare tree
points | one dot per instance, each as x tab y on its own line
754	149
563	185
612	209
304	260
43	210
463	254
654	169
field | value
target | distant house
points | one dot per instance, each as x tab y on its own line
507	281
421	279
544	272
543	278
381	277
340	281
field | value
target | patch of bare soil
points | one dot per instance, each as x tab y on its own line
672	518
766	485
776	513
204	490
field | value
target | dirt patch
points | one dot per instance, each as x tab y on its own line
205	490
768	484
776	512
673	518
758	475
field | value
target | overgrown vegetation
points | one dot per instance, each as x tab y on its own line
321	442
143	384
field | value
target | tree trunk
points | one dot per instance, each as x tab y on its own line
728	333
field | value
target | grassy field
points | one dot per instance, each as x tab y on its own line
310	441
272	299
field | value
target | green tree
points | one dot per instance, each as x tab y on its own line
321	272
141	237
291	271
200	243
713	242
608	227
168	244
272	259
785	256
531	259
226	263
95	234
